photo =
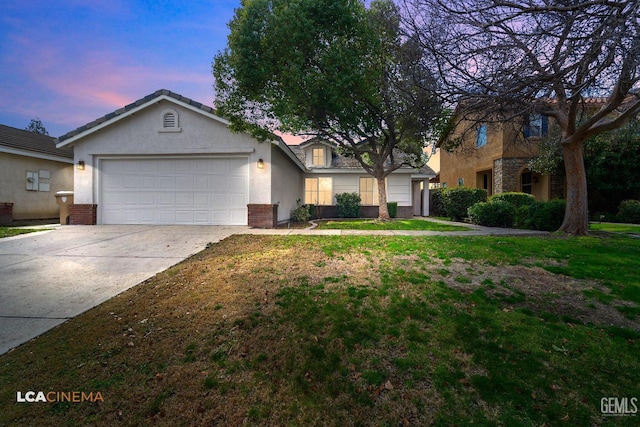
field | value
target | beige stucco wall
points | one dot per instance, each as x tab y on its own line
139	135
469	162
32	204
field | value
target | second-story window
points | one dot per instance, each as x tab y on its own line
317	155
536	126
481	136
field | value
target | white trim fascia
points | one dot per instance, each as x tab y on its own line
35	155
285	148
134	110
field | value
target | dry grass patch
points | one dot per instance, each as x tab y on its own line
325	331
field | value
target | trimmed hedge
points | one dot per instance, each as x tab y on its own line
392	208
496	213
348	205
544	216
629	211
516	199
436	205
457	201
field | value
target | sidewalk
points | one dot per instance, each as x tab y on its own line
475	230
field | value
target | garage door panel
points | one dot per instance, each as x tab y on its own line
174	191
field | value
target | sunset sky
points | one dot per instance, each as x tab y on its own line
69	62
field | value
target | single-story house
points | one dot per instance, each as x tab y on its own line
166	159
32	170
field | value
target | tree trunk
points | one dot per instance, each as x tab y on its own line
383	212
576	216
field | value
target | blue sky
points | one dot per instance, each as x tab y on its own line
70	62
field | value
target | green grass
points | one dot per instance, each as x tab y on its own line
395	224
347	330
11	231
614	228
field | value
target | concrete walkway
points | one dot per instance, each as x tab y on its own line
51	276
474	230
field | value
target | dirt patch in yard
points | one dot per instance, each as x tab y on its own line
539	290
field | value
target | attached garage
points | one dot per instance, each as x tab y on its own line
166	159
185	190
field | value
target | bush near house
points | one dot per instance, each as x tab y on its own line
436	205
543	216
495	213
392	208
516	199
457	201
629	211
302	213
348	205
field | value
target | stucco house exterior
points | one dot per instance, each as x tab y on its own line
494	156
32	170
166	159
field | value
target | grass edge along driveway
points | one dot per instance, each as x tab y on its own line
306	330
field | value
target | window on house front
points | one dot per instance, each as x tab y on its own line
317	155
318	191
536	126
368	193
481	136
526	181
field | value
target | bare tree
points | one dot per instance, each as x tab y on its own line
506	59
36	126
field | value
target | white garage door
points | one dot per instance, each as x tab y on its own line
174	191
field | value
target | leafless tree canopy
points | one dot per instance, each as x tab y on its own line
537	56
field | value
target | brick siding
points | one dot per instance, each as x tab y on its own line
263	216
6	213
83	214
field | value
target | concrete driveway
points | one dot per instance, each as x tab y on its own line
49	277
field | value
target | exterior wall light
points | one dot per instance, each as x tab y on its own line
260	164
80	165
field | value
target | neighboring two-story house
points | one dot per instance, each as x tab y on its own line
494	156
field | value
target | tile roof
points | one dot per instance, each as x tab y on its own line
19	139
133	105
345	162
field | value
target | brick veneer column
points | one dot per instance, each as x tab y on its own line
83	214
263	216
6	213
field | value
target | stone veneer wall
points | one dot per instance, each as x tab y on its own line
505	174
81	214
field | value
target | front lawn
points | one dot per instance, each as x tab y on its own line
614	228
395	224
12	231
352	330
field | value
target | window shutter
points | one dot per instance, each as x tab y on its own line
545	125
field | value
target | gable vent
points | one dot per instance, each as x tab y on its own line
169	120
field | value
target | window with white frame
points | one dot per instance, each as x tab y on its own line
318	191
368	193
317	156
